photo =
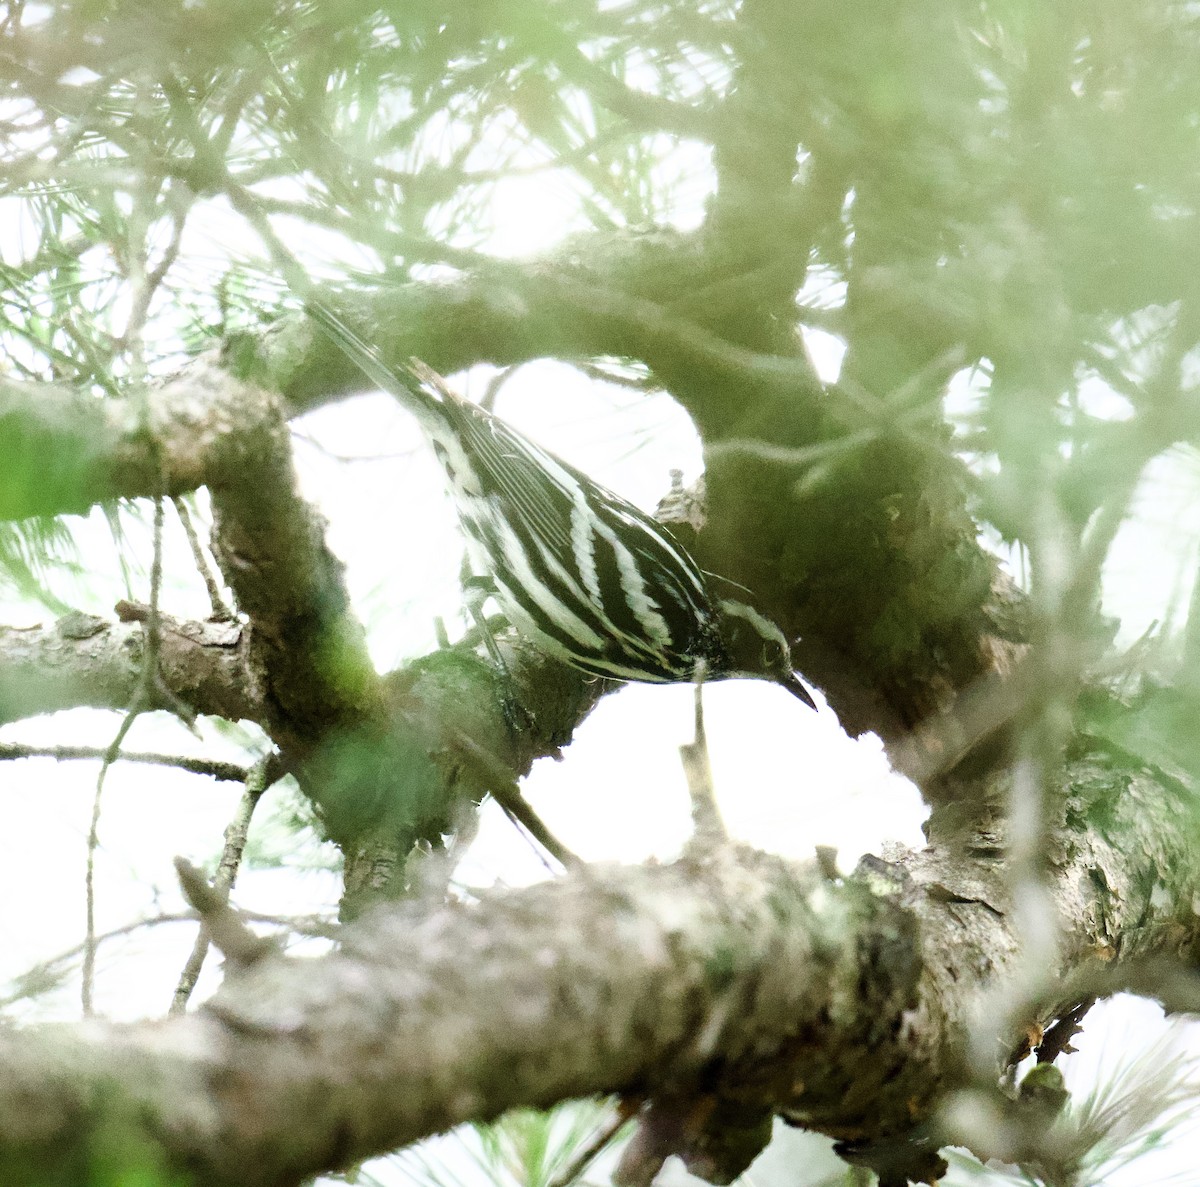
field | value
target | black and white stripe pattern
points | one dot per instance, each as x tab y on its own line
583	573
589	576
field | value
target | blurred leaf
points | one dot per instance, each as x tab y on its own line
32	553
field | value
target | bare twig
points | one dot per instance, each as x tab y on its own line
708	828
496	382
220	612
142	699
600	1139
147	283
223	925
226	875
225	771
38	977
46	972
434	874
1057	1040
507	794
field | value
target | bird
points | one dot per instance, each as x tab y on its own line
579	571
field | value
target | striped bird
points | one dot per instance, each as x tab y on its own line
581	572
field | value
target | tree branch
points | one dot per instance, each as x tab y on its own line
732	983
226	771
83	660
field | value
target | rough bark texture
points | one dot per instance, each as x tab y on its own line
728	985
83	660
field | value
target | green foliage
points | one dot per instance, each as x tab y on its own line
386	785
1142	1102
525	1148
1155	733
119	1154
287	834
34	554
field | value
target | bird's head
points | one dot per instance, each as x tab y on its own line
754	646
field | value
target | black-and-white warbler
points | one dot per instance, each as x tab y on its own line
578	570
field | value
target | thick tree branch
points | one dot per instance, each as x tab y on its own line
604	981
606	295
305	658
306	647
301	665
67	451
83	660
205	427
732	983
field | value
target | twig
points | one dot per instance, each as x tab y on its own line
605	1134
1057	1040
435	873
220	612
224	926
147	283
225	771
140	702
37	977
231	858
497	381
876	417
708	828
507	794
46	970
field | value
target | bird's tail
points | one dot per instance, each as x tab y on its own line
415	385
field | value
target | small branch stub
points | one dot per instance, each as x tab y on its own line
240	946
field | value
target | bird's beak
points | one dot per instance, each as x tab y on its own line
792	683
